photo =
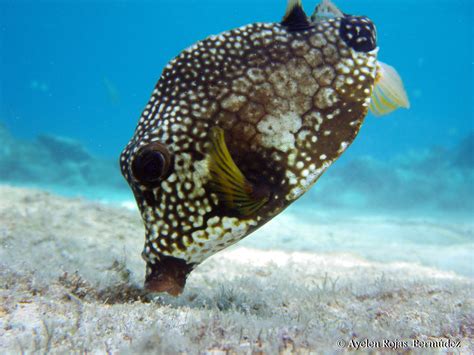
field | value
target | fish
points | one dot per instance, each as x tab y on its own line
242	124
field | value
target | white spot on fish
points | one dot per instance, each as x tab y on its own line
279	132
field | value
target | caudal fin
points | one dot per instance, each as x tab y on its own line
389	92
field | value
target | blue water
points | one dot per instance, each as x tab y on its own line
84	69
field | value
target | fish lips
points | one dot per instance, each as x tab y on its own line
168	274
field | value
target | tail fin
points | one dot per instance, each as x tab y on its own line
389	92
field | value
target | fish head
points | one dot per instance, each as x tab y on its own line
161	178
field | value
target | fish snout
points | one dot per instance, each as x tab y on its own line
167	274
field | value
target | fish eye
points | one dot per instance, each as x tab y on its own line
151	164
358	32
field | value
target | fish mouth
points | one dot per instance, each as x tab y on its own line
168	274
166	284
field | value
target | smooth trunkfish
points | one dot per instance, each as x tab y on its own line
241	124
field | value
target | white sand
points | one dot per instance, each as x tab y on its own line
71	276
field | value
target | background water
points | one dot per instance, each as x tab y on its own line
84	70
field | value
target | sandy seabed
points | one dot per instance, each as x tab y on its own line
71	276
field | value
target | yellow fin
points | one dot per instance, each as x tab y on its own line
389	93
228	181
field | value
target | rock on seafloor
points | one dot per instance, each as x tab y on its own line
71	276
58	163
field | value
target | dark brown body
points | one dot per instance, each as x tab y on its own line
289	102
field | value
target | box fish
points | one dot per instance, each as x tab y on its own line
241	124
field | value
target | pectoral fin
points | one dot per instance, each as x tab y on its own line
228	181
388	93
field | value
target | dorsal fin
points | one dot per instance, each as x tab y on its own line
295	18
326	10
